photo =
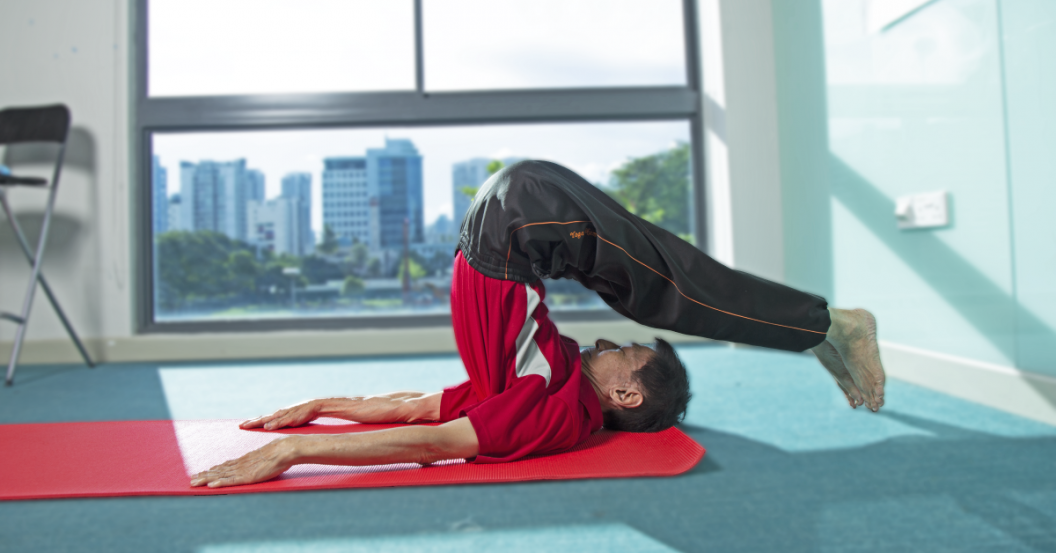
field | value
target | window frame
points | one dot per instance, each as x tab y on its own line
418	108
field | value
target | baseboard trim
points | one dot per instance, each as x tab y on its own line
298	344
1022	393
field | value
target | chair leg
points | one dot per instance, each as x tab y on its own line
15	351
27	303
24	244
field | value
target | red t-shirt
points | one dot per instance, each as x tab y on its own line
526	393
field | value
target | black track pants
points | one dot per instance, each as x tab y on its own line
537	219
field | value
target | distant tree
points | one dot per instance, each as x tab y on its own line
244	270
656	188
440	261
374	268
470	191
202	265
353	285
329	244
358	257
417	271
494	166
317	270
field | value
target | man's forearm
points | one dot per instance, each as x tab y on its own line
416	444
396	407
409	444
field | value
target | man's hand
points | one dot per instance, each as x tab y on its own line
409	444
297	415
256	466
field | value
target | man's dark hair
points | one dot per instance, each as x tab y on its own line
665	387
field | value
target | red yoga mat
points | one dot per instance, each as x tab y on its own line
98	459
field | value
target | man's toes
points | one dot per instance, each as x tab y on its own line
855	395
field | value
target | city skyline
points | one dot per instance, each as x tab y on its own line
591	149
280	223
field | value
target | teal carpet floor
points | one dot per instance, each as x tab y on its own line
789	468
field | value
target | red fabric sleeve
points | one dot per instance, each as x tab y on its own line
456	400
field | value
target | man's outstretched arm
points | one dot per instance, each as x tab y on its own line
386	408
412	444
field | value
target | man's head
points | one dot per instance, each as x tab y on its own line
641	389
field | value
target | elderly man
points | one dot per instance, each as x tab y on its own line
532	391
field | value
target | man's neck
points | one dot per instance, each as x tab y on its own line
584	366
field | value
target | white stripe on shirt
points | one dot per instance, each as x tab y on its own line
530	359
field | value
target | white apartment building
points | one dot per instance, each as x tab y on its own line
273	225
346	199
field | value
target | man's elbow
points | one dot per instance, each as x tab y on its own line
454	440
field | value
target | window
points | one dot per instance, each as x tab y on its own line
221	47
484	44
282	192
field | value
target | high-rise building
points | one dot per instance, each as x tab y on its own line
467	174
213	196
254	185
175	210
442	231
160	200
346	199
298	187
274	225
394	177
471	173
367	199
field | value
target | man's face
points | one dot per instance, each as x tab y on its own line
611	362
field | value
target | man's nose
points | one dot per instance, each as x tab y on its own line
605	344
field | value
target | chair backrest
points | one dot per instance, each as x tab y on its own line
36	124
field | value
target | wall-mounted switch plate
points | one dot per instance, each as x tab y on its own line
928	210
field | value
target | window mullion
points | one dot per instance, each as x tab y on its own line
419	49
412	108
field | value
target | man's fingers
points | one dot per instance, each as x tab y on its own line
255	423
278	422
292	418
221	482
203	478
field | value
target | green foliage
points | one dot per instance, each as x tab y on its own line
244	270
203	265
353	285
374	268
317	270
358	255
417	271
329	244
495	166
470	191
210	266
656	188
440	261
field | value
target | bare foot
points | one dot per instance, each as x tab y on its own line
831	360
853	335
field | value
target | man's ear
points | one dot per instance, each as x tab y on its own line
626	398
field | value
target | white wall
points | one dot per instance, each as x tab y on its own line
75	53
741	138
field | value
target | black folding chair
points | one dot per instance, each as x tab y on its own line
39	124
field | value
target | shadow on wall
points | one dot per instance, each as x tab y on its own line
975	297
69	250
